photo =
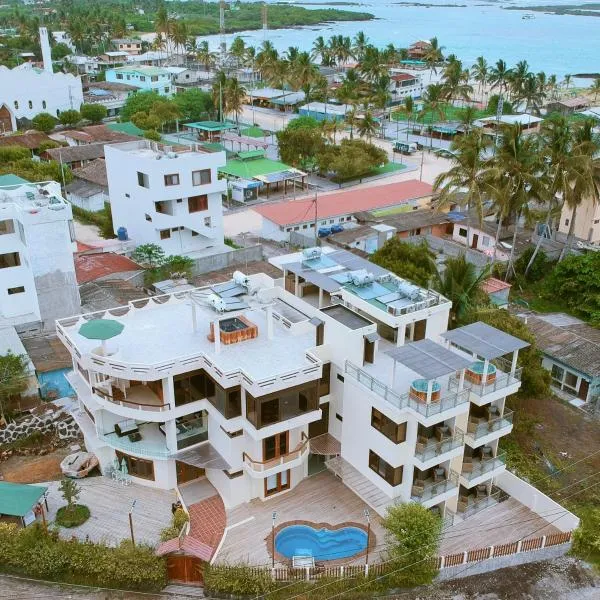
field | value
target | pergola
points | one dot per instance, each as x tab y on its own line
210	131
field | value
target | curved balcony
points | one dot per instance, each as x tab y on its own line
260	469
139	400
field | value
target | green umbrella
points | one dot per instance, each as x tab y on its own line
101	329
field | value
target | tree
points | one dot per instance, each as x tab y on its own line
70	492
434	104
235	94
595	88
138	102
413	535
93	112
149	255
367	126
152	134
44	122
13	379
500	76
480	72
69	117
460	283
298	146
352	159
178	266
59	51
194	104
414	262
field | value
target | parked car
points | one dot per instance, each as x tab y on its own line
324	231
405	147
337	228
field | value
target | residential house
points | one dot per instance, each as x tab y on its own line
279	219
571	350
403	85
113	58
419	49
89	188
148	79
129	46
37	275
166	196
75	157
111	95
491	125
567	106
587	222
92	134
31	141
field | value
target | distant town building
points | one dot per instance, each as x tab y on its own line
168	197
567	106
403	85
587	222
37	274
130	46
148	79
63	37
111	95
89	188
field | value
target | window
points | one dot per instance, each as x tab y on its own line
486	241
197	203
304	226
324	381
462	232
296	228
202	177
16	290
348	218
119	76
207	222
154	78
596	221
167	90
165	234
143	180
557	373
339	417
10	259
172	179
138	467
390	474
566	222
30	104
16	104
288	229
369	351
320	334
43	104
571	380
340	378
148	217
7	226
277	483
331	221
396	432
142	78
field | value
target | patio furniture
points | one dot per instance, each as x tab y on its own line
418	488
481	491
439	474
467	467
136	436
487	452
123	428
442	432
493	412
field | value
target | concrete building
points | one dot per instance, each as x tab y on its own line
148	79
171	198
111	95
63	37
403	85
130	46
587	222
255	383
37	274
89	188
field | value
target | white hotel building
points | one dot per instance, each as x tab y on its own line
339	364
168	197
37	272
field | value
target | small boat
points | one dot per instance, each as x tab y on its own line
78	465
528	16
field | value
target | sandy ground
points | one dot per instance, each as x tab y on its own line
88	234
33	469
562	579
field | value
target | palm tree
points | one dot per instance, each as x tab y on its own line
234	98
461	284
218	93
465	177
595	88
303	71
532	94
434	55
238	50
467	116
320	49
434	104
178	35
360	44
205	56
456	81
499	76
480	72
367	126
407	109
517	79
567	82
351	119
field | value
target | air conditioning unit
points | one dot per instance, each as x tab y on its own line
361	278
311	253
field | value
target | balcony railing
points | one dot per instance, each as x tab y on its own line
428	451
449	400
466	509
433	489
479	430
481	467
261	466
503	378
105	395
152	450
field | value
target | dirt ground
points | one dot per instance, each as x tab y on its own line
33	469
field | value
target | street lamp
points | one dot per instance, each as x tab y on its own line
368	517
274	516
131	522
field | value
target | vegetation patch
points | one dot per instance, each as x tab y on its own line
72	516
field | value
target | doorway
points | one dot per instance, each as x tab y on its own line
322	425
276	445
185	569
475	240
584	387
187	472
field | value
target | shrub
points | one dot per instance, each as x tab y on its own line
33	552
153	135
43	122
69	117
102	219
178	520
540	268
93	112
237	580
73	516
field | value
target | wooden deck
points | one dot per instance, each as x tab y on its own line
321	498
501	523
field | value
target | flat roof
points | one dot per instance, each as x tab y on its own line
428	359
484	340
294	212
144	70
11	179
346	317
268	93
18	499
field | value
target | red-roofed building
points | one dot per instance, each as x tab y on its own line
403	85
281	218
99	266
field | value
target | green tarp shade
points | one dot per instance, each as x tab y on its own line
18	499
128	127
246	154
101	329
211	125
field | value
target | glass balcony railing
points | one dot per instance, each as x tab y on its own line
500	378
481	467
431	489
478	430
425	451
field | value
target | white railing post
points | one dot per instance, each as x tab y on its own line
342	572
519	546
543	541
366	569
307	573
492	548
465	554
442	561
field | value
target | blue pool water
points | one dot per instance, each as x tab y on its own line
53	384
420	385
321	544
477	367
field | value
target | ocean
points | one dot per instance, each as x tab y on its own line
558	44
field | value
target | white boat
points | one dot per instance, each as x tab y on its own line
528	16
78	465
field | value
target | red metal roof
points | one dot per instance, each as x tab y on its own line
90	267
402	77
293	212
491	285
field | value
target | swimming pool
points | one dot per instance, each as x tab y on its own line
53	384
320	543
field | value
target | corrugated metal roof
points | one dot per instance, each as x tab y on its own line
484	340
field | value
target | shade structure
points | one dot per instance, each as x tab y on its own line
101	329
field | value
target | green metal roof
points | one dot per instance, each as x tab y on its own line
253	168
127	127
18	499
10	179
251	154
211	125
143	70
255	132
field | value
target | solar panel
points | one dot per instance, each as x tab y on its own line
319	263
387	298
369	292
228	289
343	277
355	263
234	304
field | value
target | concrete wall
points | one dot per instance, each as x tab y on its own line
206	264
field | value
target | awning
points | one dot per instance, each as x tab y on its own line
203	457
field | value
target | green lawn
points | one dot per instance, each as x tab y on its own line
453	113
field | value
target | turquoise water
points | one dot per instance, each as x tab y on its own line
54	384
557	44
321	544
478	368
420	385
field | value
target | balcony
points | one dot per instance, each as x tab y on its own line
428	490
499	379
481	431
479	470
438	446
144	440
261	469
472	503
137	397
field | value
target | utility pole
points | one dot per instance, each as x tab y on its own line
131	522
222	42
265	11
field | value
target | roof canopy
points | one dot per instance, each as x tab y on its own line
211	125
428	359
484	340
18	499
203	457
